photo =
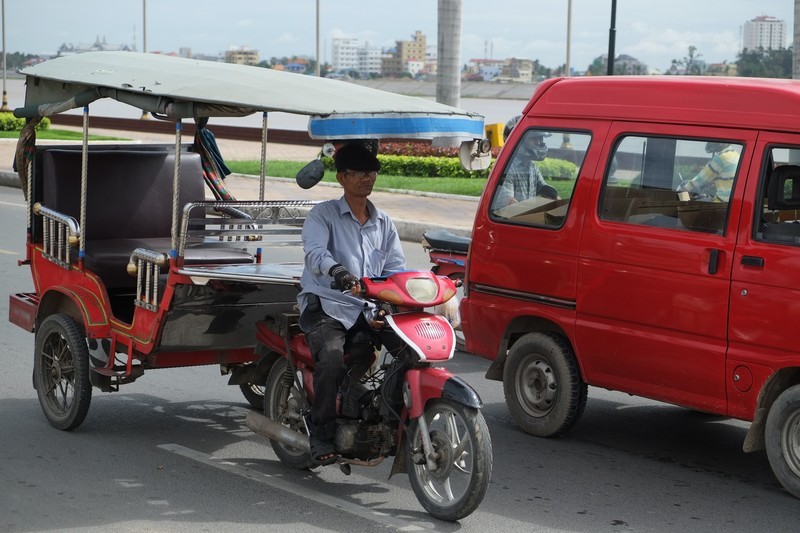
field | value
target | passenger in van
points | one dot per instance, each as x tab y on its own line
714	181
523	179
343	240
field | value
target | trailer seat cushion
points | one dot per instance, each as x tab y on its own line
109	258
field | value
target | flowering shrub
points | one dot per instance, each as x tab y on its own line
422	149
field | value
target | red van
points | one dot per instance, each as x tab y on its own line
642	234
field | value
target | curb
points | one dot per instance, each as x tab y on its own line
9	178
409	231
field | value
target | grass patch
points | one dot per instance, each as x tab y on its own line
288	169
60	135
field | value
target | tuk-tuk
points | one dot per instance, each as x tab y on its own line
140	257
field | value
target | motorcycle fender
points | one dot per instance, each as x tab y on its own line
425	384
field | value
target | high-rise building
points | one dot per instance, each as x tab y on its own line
344	54
349	55
764	32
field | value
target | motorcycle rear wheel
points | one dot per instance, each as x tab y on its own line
282	404
463	447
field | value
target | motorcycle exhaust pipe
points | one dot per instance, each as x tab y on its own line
267	427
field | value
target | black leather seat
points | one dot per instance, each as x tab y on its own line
128	206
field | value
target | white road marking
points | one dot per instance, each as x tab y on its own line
267	479
12	204
7	252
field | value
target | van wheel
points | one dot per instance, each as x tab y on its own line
782	439
543	387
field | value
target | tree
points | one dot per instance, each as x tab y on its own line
599	66
763	63
690	65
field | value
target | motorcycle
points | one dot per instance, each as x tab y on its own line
448	253
401	404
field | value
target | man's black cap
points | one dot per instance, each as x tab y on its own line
356	156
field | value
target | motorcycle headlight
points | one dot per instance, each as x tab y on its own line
423	290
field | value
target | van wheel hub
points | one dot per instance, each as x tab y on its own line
538	387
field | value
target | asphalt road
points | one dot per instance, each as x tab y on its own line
171	452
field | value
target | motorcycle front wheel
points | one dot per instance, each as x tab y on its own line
463	460
282	401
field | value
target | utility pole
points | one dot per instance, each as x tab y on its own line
448	79
795	43
318	60
569	36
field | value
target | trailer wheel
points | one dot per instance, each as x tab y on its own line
61	372
782	438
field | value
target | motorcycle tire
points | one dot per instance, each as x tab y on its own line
281	403
461	441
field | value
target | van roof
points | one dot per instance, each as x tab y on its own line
714	101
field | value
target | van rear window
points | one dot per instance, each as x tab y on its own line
680	184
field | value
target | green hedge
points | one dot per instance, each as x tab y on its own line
450	167
8	122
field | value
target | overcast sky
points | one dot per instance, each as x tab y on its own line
653	31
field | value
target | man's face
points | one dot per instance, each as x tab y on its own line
357	182
536	147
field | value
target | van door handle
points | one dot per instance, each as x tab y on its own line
753	261
713	261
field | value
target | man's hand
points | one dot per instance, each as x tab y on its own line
344	280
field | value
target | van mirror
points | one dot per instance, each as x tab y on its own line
475	154
310	175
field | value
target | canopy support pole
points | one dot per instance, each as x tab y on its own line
263	157
84	183
176	191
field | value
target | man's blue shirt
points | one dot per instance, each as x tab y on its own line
332	235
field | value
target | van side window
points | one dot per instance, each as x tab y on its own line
539	177
681	184
780	207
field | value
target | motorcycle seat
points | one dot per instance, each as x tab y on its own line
444	240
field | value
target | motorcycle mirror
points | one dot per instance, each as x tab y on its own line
475	154
310	174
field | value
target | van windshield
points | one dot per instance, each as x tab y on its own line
539	178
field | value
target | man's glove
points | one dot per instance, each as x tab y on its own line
343	279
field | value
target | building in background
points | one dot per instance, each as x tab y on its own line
349	56
241	55
99	45
406	53
344	54
764	32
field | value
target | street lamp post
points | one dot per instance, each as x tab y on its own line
612	34
4	107
145	114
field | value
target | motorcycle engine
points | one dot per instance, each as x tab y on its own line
357	439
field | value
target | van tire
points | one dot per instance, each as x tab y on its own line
782	439
543	387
